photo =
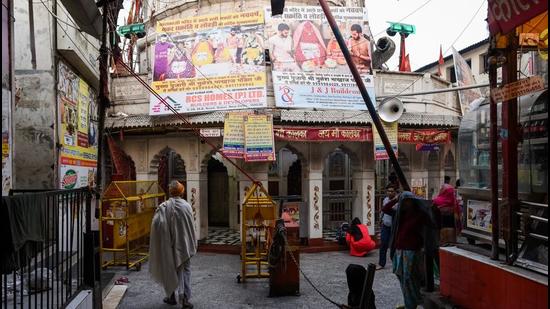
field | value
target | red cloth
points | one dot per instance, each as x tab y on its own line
362	246
446	199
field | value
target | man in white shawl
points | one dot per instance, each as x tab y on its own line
172	244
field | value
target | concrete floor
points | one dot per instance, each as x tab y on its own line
214	284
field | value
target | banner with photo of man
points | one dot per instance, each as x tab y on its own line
309	69
210	62
465	77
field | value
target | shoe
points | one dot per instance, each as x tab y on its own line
379	267
170	300
186	304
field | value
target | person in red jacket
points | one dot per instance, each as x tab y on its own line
359	239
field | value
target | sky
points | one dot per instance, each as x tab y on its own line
439	22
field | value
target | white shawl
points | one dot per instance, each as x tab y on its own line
172	242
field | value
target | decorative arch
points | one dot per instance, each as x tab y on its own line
355	161
449	161
168	165
403	160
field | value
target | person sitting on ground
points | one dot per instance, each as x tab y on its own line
358	238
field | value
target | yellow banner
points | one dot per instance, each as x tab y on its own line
197	23
215	82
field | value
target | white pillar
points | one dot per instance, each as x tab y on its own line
315	204
363	205
197	196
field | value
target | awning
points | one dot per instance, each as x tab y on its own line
504	16
287	116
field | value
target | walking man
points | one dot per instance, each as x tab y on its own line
388	210
172	244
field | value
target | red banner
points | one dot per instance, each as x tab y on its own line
505	15
424	137
355	134
323	134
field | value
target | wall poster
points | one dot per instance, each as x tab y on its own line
77	125
210	62
391	132
259	143
309	69
478	215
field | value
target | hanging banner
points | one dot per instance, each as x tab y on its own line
77	130
464	77
309	69
424	136
517	89
427	147
211	62
259	143
334	134
233	135
379	149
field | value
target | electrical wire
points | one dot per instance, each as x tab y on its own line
465	27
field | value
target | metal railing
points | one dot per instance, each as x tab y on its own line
531	230
48	270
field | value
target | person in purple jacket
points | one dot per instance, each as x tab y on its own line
162	49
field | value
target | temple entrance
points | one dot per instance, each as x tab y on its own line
338	194
169	166
218	194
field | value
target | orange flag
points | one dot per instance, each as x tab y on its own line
440	62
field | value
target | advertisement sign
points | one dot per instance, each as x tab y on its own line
291	214
6	142
309	69
333	134
505	15
259	144
211	62
379	149
518	89
77	130
233	135
464	77
478	215
424	136
418	188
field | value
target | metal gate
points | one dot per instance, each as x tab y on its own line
337	207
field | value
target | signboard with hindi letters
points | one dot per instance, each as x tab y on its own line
259	144
379	149
309	69
208	63
233	137
517	89
304	134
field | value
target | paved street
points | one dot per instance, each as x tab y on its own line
214	284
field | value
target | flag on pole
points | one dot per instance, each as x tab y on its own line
404	63
440	62
277	7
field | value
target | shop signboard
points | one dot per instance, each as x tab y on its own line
478	215
259	144
77	125
210	62
308	67
379	149
517	89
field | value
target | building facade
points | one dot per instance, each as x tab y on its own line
335	179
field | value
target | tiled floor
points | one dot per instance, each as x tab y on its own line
226	236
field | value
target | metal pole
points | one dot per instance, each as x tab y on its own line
103	96
361	85
493	140
510	152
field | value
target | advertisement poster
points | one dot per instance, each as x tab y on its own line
210	62
291	214
309	69
464	77
478	215
259	144
6	142
379	149
233	135
77	130
418	188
